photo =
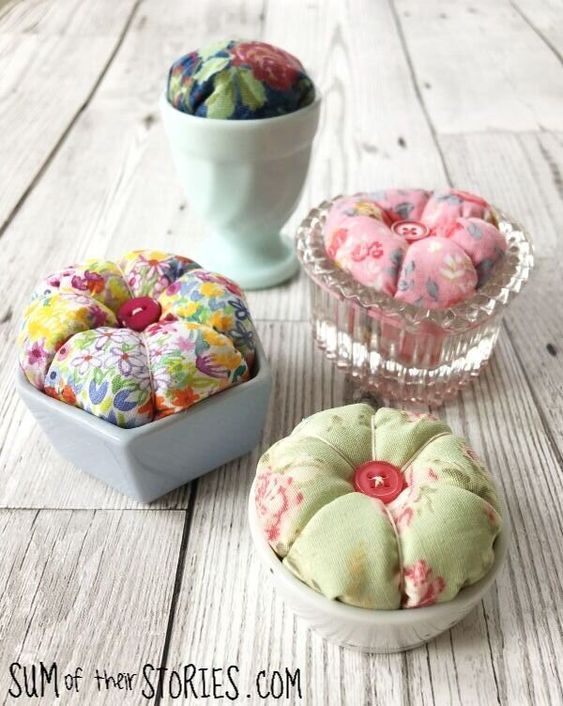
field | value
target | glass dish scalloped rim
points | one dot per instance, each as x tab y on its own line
505	282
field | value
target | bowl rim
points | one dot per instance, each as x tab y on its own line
461	603
487	301
251	123
260	371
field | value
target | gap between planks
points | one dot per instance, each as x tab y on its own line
433	131
182	553
63	137
549	44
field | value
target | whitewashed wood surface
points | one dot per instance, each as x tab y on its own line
415	93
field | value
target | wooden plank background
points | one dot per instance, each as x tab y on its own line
468	92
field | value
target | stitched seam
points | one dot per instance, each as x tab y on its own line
334	448
74	295
392	519
399	549
149	368
122	274
417	453
389	515
144	342
319	509
344	458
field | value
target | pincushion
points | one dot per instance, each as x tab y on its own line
380	510
239	81
430	249
136	340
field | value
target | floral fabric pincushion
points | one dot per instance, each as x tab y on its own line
380	510
239	81
430	249
137	340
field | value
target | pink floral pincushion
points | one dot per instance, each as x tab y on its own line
430	249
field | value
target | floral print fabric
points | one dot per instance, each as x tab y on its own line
457	254
72	346
436	537
239	81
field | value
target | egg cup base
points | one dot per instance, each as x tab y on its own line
274	260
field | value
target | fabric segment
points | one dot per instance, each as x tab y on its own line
188	363
436	274
446	545
370	252
402	204
99	279
148	273
48	322
348	552
208	298
104	371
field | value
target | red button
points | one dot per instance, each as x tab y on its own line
410	230
139	313
380	480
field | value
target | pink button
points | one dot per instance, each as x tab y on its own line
380	480
139	313
410	230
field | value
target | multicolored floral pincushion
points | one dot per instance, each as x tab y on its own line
136	340
381	510
239	81
430	249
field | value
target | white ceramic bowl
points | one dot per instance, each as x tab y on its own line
369	630
244	178
149	461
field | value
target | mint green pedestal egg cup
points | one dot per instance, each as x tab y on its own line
244	179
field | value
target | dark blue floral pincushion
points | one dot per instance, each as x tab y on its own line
239	81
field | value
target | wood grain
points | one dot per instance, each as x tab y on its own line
544	18
520	173
68	18
473	60
109	206
85	588
472	663
373	132
535	326
489	164
524	617
414	94
37	65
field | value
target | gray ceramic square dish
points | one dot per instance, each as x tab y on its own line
149	461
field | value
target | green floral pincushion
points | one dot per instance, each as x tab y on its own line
381	510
